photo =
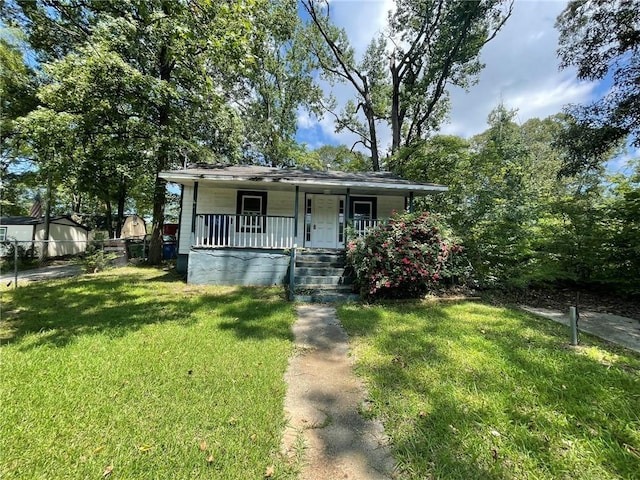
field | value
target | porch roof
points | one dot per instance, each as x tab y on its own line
334	182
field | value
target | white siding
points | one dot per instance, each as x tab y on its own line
64	239
386	205
22	233
218	200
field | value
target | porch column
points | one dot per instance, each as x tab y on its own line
194	209
347	207
295	215
410	202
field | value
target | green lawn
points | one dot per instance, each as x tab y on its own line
470	391
135	373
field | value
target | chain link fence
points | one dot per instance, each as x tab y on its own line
20	256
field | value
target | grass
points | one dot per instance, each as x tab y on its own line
471	391
133	374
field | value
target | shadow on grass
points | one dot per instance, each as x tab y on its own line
550	397
122	302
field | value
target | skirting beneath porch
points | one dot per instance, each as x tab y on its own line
237	266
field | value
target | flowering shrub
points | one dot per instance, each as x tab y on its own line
404	257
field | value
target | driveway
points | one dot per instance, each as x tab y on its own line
613	328
44	273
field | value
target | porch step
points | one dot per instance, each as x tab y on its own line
325	293
323	255
325	287
320	277
319	271
322	280
320	261
326	297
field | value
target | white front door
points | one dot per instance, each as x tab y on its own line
324	221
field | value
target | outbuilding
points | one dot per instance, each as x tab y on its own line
66	236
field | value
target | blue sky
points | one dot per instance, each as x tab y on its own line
522	71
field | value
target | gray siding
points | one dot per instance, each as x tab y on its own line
233	266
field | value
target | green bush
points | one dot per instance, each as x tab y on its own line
27	257
405	257
95	260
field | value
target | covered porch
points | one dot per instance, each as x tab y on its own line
269	210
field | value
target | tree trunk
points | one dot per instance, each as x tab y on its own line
109	218
77	202
162	162
47	221
395	108
375	157
159	199
122	196
371	122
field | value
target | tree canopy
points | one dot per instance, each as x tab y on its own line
401	80
601	39
143	86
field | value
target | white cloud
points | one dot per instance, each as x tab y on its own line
521	71
305	119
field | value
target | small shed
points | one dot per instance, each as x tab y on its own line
66	236
133	228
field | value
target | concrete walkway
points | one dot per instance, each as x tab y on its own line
621	330
43	273
322	401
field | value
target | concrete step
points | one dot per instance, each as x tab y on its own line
322	280
326	297
320	271
321	251
313	263
324	287
320	257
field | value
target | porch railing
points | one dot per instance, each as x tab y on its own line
360	227
259	231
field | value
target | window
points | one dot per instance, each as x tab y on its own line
253	207
3	234
307	221
363	208
341	221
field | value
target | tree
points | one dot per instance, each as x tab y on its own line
403	76
17	98
279	82
343	159
601	38
100	95
154	84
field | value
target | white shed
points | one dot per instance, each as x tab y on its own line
66	236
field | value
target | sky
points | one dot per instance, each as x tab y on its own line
521	71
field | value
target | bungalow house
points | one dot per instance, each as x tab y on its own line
66	236
239	224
